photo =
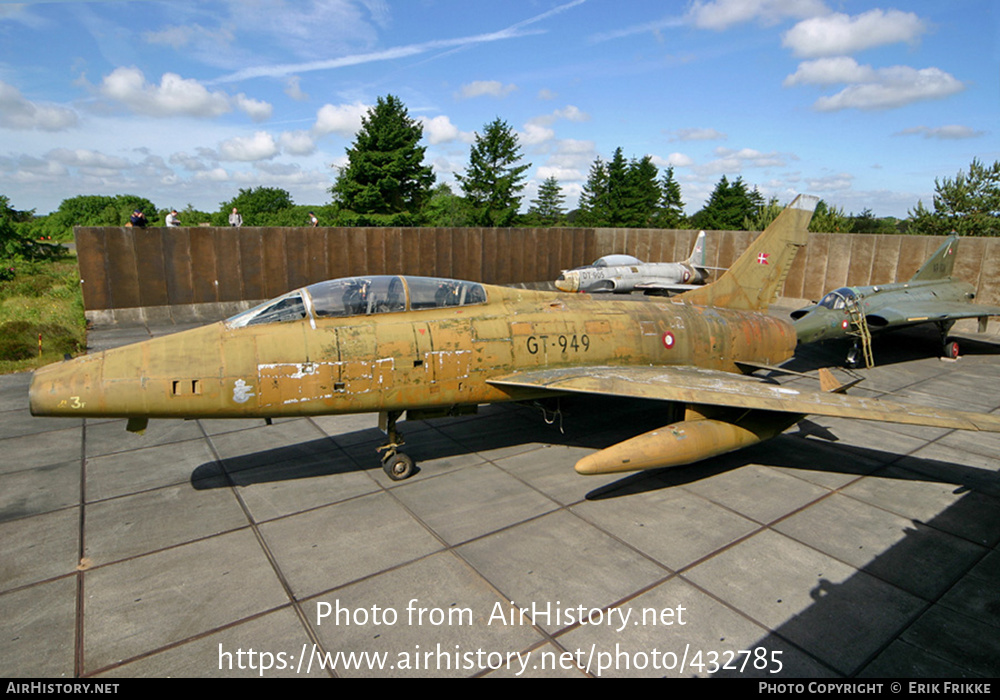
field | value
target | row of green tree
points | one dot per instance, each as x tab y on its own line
387	183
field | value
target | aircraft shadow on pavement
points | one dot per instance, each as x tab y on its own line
585	421
892	348
578	421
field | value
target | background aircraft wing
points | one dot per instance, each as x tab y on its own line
660	286
907	313
698	386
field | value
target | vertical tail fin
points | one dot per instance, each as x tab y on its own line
939	265
697	258
752	282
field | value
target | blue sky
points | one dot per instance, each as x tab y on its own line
861	103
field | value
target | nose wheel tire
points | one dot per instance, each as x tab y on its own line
398	466
852	356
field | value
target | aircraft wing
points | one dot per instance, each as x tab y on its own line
667	287
697	386
660	286
902	314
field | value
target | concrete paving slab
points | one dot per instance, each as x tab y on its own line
136	470
758	492
559	560
144	604
39	548
39	630
436	618
820	604
858	534
969	644
335	545
670	525
40	490
233	532
472	502
145	522
676	630
40	450
276	490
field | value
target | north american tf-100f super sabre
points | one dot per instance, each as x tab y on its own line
433	347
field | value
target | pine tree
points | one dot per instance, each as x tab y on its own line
729	206
968	204
493	179
642	194
670	212
594	206
547	208
385	173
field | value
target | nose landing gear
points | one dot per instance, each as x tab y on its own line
396	465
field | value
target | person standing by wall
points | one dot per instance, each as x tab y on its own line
235	219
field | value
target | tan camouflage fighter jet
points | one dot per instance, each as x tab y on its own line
433	347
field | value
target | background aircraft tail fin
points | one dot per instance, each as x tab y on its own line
697	258
939	265
753	281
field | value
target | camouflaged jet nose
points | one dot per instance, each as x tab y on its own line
177	375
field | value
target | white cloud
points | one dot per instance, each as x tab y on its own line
696	134
260	146
293	88
255	109
893	87
492	88
544	172
344	120
214	175
173	96
674	160
830	183
945	133
871	88
535	134
19	113
722	14
830	71
546	94
735	161
439	130
840	34
297	143
188	162
85	158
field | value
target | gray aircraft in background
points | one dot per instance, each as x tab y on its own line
622	274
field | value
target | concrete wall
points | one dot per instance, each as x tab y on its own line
208	273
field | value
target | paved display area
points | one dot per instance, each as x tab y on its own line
842	548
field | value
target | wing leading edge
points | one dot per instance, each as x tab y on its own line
901	314
701	387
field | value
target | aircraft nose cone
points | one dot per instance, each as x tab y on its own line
568	282
64	388
810	328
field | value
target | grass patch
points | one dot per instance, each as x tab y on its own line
41	298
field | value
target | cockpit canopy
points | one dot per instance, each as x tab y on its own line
362	296
838	298
616	261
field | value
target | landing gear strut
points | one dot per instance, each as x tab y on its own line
853	355
397	466
949	346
